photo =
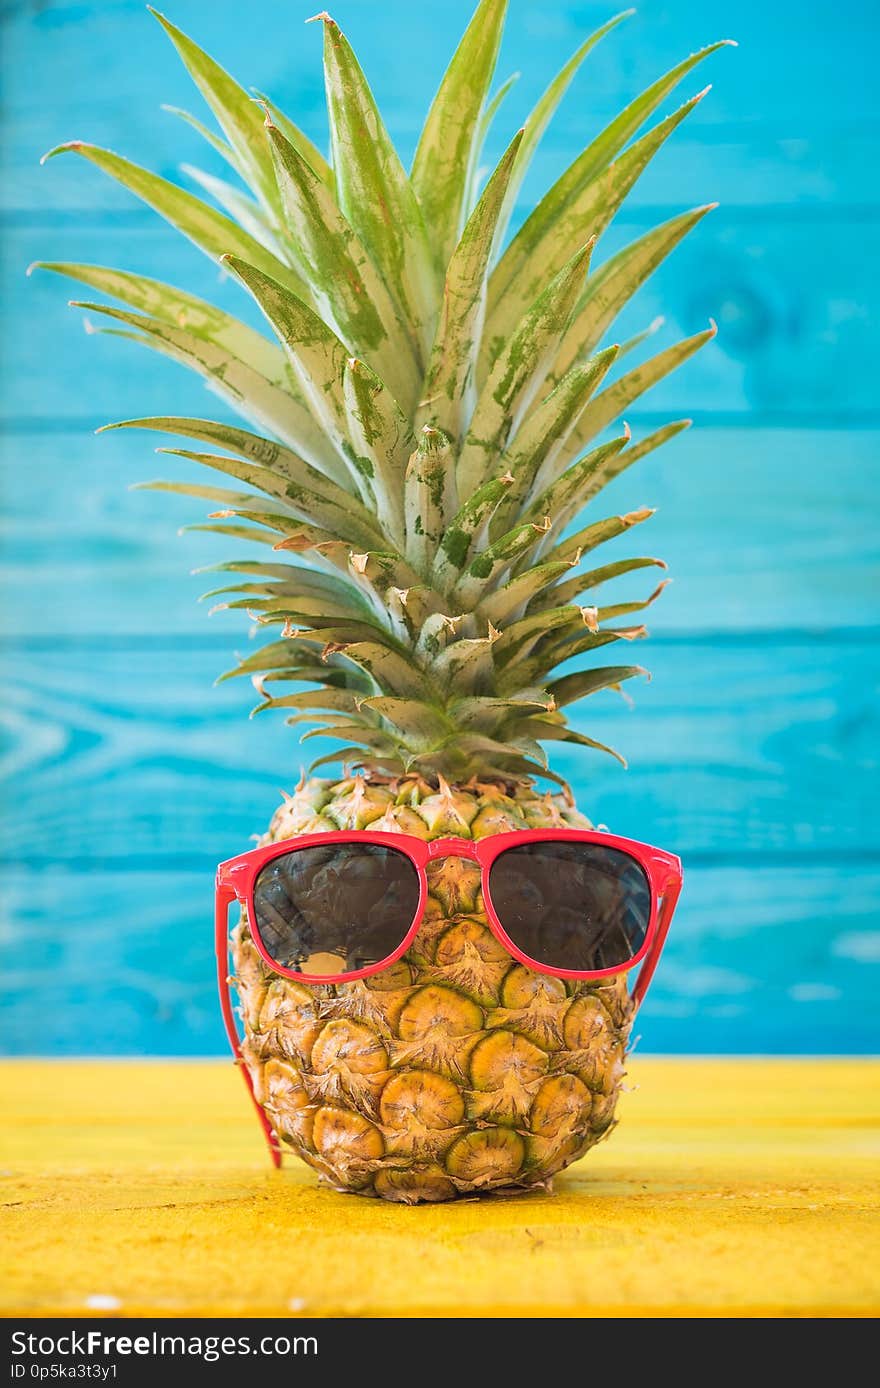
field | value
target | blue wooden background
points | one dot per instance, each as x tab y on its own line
753	752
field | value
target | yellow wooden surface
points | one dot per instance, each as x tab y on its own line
737	1187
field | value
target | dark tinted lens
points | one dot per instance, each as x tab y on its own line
572	905
337	908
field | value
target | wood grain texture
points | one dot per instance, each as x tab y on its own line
147	1183
794	343
787	121
127	755
754	750
120	961
82	556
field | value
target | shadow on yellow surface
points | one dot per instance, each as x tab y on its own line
731	1187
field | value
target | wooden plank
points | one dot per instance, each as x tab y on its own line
145	1187
764	130
732	1189
121	754
126	754
770	959
763	959
762	529
794	342
756	173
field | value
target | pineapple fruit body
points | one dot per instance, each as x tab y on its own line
429	409
456	1070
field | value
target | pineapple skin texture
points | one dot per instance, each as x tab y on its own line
456	1071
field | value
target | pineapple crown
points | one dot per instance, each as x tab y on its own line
432	406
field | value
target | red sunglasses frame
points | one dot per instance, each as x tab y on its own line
237	876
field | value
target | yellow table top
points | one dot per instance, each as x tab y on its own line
731	1187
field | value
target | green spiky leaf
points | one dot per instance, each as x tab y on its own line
587	214
213	233
450	387
257	398
617	397
235	112
610	288
596	157
544	111
427	429
519	373
449	144
373	190
348	292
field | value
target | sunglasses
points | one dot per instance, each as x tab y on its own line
335	907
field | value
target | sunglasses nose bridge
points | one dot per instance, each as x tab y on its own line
452	848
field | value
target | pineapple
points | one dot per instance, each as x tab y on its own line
430	411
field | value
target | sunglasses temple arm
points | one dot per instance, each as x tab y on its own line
646	972
223	900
